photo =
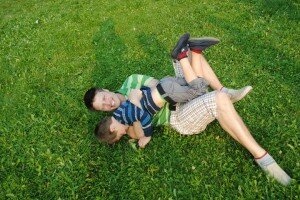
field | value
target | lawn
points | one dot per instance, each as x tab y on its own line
51	52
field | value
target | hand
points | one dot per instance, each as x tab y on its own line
144	141
153	83
135	96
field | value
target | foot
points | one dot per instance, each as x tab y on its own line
236	95
269	165
180	49
202	43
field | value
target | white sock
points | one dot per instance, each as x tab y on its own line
269	165
224	89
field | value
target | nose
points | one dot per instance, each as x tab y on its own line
106	101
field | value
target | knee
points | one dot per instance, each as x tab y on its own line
222	99
222	96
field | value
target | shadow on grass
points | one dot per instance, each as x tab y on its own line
109	50
114	64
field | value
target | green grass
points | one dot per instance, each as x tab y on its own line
51	52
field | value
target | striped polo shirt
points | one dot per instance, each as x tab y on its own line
147	101
127	113
136	81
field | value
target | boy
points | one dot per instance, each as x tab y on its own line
144	103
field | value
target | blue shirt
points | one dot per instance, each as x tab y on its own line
127	113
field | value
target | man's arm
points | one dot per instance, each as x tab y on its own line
136	81
152	83
135	97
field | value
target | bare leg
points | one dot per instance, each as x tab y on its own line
197	64
187	69
203	69
234	125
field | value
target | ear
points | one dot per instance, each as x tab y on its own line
112	128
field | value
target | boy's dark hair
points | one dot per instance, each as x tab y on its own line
103	133
89	97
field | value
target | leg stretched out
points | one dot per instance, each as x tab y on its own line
233	124
194	116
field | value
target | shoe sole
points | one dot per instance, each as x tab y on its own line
203	42
180	44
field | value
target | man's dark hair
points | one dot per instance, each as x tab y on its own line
89	97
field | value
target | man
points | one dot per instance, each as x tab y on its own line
193	117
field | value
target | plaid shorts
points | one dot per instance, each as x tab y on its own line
193	117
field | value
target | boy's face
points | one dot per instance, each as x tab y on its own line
119	128
106	101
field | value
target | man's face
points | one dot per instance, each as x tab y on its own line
106	101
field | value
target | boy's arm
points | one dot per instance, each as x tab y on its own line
131	133
135	97
143	140
136	132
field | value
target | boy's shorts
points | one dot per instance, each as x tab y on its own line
193	117
179	91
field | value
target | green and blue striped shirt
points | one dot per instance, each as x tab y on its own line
136	81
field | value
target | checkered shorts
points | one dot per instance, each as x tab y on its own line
193	117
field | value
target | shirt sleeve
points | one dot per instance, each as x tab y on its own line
137	114
146	123
134	81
